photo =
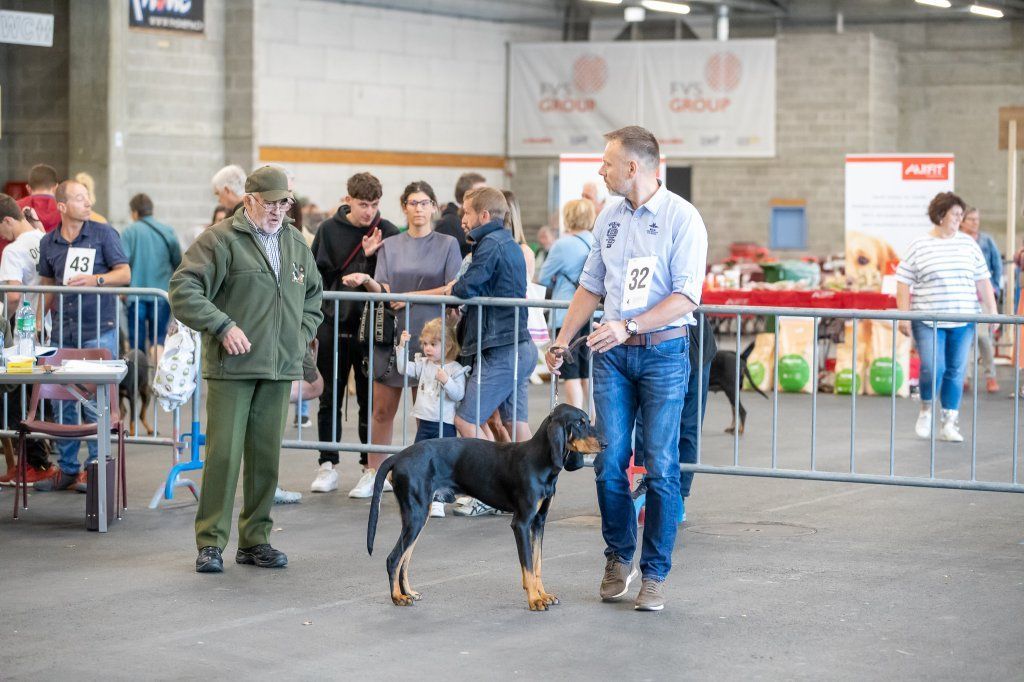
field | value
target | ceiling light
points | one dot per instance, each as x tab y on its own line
609	2
986	11
634	15
935	3
660	6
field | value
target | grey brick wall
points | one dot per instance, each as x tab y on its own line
35	97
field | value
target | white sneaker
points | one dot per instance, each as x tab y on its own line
923	428
326	479
437	510
282	496
364	488
949	431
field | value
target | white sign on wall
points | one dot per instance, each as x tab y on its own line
575	171
701	99
887	197
26	28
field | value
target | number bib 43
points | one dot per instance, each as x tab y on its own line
636	287
79	262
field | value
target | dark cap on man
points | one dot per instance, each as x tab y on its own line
270	182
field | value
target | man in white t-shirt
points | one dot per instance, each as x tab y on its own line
23	229
20	259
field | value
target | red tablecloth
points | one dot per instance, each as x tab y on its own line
856	300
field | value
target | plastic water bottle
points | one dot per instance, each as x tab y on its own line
25	330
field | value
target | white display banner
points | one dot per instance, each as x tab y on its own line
575	171
566	96
706	98
887	197
702	99
26	28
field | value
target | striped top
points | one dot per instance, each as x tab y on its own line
943	275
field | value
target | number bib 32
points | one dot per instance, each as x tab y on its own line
636	288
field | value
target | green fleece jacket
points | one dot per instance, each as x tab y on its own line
225	280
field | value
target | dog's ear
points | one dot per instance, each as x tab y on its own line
556	439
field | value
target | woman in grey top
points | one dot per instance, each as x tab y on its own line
419	261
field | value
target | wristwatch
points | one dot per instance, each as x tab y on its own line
99	281
632	328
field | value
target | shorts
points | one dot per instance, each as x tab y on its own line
425	430
496	388
580	367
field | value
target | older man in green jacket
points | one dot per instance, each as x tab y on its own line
250	285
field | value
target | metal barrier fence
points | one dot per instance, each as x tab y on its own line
852	474
813	470
132	323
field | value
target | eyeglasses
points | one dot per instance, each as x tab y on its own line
282	205
422	203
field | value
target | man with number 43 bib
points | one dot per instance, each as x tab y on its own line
647	262
81	253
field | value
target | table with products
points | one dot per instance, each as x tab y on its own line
810	298
75	381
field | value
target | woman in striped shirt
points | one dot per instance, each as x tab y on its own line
944	272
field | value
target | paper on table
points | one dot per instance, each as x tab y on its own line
112	366
41	351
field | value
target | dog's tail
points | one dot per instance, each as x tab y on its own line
378	487
746	372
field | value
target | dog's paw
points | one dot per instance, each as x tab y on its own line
403	600
549	599
538	604
730	429
415	596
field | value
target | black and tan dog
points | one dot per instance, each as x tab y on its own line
518	478
136	390
722	378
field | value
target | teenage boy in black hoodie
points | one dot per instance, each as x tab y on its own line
346	243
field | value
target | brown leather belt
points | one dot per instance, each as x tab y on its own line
654	338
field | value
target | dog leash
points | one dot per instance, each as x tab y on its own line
566	353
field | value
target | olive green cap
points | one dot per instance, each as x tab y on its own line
270	182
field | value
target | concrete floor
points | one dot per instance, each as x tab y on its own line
774	579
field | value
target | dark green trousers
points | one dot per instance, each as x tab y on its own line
244	423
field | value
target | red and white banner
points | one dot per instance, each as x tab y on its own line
700	98
887	197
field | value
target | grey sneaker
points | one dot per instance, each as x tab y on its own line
617	577
650	597
59	481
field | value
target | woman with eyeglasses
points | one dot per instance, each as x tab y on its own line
417	261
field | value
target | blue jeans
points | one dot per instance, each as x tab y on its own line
631	380
154	314
952	346
304	408
67	450
688	428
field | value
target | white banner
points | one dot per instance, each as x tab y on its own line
704	98
26	28
701	99
887	197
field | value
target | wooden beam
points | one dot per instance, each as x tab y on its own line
367	157
1007	114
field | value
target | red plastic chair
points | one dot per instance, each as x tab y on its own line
57	392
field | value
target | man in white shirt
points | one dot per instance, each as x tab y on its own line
20	259
23	229
647	261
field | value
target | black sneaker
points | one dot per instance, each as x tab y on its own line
263	556
209	560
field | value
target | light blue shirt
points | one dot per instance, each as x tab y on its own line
667	227
562	268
